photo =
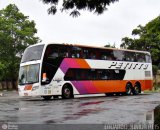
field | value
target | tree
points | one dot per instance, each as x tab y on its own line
16	33
148	39
96	6
110	46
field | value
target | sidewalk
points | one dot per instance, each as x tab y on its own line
9	94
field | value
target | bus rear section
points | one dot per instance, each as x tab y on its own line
100	76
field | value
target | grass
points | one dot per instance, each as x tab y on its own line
152	91
156	89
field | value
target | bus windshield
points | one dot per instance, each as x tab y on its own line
32	53
29	74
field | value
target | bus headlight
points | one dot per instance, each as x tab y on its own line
34	88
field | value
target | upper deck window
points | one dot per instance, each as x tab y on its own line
130	56
68	51
33	53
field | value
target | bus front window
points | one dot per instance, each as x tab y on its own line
29	74
32	53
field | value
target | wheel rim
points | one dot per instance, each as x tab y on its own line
67	93
128	89
136	89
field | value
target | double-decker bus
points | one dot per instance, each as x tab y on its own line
52	70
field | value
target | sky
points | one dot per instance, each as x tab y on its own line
88	29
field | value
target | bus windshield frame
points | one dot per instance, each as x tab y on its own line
29	74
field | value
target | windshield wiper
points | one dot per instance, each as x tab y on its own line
33	59
30	60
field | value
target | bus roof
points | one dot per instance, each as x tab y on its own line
87	46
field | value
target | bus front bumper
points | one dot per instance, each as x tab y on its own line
29	90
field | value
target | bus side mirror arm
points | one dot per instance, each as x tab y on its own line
44	78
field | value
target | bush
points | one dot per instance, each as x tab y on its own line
159	66
155	69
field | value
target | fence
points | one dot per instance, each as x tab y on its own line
7	85
156	80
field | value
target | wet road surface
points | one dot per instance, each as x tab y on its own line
81	110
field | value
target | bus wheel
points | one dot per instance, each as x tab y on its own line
137	89
47	97
67	92
128	89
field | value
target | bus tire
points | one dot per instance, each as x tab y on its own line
47	97
129	89
137	89
67	91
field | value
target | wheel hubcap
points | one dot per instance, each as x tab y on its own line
128	89
136	89
67	92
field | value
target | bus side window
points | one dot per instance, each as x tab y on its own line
105	75
63	52
130	56
51	62
111	74
97	54
78	74
83	74
49	70
70	75
119	55
75	55
141	57
103	55
75	52
50	54
92	55
107	54
148	58
85	54
93	74
53	55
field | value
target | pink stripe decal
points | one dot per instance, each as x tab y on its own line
89	86
68	63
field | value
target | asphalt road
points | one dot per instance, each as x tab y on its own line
82	112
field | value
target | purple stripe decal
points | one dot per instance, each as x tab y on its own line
80	87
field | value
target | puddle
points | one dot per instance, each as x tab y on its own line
157	118
90	103
77	115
